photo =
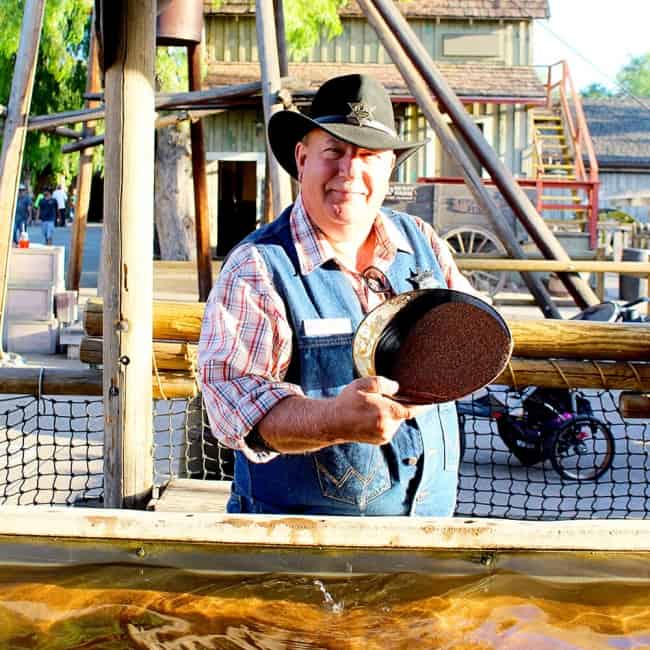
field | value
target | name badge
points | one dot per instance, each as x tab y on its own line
326	326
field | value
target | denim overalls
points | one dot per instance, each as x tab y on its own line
416	473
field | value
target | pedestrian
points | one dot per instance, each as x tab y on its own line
61	199
275	352
23	216
47	213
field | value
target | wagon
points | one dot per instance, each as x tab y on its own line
456	216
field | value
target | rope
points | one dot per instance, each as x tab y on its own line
513	378
636	375
157	375
601	373
559	370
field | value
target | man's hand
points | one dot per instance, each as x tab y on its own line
364	411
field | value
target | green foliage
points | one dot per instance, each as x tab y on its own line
596	91
60	79
171	69
634	78
306	20
616	215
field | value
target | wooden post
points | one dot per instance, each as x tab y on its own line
200	179
283	61
85	175
484	199
270	72
128	264
503	179
13	142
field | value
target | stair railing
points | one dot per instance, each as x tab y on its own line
560	85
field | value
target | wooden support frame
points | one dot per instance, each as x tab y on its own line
85	174
270	73
15	131
128	263
512	193
442	129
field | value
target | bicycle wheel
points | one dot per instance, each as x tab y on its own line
582	449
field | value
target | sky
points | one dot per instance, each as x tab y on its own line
604	32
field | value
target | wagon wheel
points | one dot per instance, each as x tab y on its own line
474	241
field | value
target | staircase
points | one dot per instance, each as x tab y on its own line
561	203
567	192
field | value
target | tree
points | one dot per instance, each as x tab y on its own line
60	75
306	20
596	91
634	78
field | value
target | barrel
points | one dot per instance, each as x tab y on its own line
179	22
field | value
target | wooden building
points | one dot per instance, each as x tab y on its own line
620	130
483	48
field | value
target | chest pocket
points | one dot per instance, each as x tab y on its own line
325	364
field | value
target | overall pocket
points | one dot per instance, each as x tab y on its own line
325	364
354	473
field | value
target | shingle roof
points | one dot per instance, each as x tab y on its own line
479	9
620	130
468	80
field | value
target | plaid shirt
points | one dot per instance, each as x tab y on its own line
246	338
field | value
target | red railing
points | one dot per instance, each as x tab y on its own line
561	91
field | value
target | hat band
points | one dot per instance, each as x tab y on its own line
346	119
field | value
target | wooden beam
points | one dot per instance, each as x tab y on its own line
180	357
429	107
162	121
537	339
13	141
84	175
165	384
635	405
270	72
200	182
570	373
163	101
128	267
470	133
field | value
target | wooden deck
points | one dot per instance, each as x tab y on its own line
192	495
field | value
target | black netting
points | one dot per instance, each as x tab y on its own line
533	454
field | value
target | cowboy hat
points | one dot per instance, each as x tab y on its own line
354	108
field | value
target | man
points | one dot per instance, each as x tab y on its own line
275	350
23	215
61	199
47	211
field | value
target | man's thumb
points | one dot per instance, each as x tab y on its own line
379	384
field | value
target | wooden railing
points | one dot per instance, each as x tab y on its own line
599	267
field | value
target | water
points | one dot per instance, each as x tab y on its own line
113	607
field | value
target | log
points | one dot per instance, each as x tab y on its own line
161	122
180	357
163	101
537	339
13	139
200	182
128	265
565	373
175	321
84	177
634	405
512	193
60	381
267	47
448	140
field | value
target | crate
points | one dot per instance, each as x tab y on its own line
30	302
37	265
31	336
